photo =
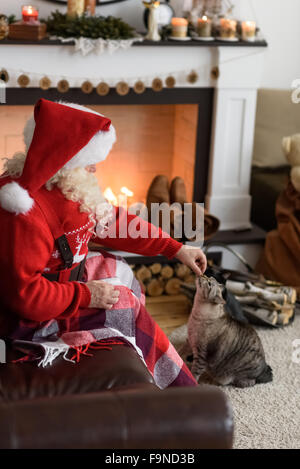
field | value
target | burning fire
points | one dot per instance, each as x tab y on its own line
121	199
125	191
110	196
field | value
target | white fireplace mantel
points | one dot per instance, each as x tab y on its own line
240	70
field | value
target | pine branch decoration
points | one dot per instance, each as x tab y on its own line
58	24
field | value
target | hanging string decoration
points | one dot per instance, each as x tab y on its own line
103	87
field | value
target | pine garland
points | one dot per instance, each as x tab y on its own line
59	24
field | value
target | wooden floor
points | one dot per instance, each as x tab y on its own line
169	312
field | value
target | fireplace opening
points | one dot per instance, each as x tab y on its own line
152	139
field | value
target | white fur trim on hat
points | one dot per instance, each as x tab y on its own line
15	199
95	151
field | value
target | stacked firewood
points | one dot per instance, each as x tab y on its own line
163	279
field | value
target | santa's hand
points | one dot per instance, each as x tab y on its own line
193	258
103	295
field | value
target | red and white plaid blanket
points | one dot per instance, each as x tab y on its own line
127	323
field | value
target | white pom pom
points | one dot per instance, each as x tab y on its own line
15	199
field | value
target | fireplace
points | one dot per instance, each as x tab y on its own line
203	132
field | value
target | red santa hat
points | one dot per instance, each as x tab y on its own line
58	135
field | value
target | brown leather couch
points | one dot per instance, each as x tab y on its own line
107	401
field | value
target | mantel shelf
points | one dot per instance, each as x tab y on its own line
166	43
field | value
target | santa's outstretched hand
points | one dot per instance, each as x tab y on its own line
194	258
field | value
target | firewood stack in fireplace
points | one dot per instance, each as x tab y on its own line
163	279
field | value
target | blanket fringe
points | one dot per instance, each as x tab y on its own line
104	344
26	358
51	353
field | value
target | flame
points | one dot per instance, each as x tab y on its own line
110	196
121	199
124	190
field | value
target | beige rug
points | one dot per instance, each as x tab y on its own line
267	416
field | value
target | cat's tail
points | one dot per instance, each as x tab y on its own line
266	376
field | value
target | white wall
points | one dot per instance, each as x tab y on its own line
278	20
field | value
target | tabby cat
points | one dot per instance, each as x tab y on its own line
228	350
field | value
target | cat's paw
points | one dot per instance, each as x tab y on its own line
246	383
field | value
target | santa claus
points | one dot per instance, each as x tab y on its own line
54	294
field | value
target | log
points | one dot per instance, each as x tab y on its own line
143	274
190	279
155	287
167	272
173	286
182	271
155	268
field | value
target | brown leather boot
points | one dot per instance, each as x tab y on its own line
178	191
211	223
158	192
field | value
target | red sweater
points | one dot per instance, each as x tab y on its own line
27	250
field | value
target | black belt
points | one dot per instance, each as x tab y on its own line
75	274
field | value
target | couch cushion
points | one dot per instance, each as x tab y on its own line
106	369
276	117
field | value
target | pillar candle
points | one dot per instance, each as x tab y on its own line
30	13
228	28
248	30
90	6
75	8
179	27
204	27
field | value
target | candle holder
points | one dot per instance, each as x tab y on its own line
228	29
76	8
248	31
204	29
29	27
90	7
4	27
30	14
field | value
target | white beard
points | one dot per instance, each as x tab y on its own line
81	186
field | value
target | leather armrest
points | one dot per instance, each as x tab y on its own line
176	418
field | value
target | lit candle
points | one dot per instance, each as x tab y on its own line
179	27
204	27
248	30
228	28
30	13
75	8
90	6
